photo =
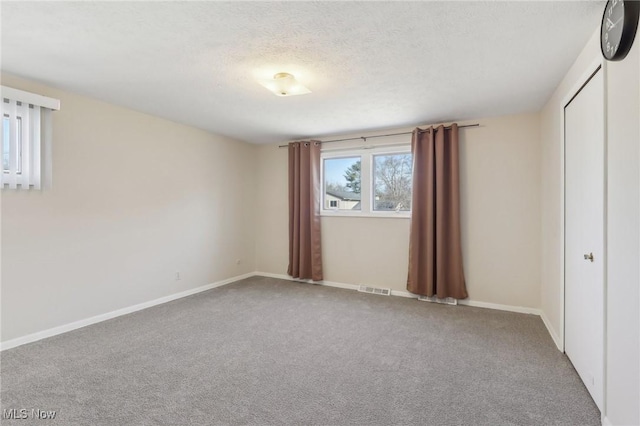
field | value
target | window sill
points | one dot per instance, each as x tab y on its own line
370	215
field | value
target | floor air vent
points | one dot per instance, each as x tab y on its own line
373	290
434	299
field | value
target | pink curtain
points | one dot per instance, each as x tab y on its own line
435	249
305	252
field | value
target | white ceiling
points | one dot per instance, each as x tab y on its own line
370	65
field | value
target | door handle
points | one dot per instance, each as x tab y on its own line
588	257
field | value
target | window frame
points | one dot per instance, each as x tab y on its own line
19	145
372	188
335	211
366	181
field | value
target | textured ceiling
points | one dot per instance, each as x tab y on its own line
370	65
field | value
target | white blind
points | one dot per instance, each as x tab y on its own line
24	138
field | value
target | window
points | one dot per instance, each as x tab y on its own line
6	150
367	182
26	137
392	182
342	183
6	154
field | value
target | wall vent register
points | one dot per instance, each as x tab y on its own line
374	290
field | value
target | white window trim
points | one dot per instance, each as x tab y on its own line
366	175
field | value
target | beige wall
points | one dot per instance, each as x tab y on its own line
622	389
135	198
500	184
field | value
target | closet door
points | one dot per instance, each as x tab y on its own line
584	234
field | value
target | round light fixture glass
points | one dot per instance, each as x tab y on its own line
284	84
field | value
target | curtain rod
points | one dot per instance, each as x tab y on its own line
364	138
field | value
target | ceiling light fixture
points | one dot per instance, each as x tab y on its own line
285	84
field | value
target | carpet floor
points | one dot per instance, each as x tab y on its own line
264	351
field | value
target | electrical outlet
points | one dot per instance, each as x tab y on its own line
177	276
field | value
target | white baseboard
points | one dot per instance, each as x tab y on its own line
499	307
338	285
401	293
29	338
477	304
552	332
283	277
325	283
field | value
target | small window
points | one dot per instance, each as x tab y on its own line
392	182
26	138
342	183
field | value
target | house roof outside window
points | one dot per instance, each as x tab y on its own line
344	195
